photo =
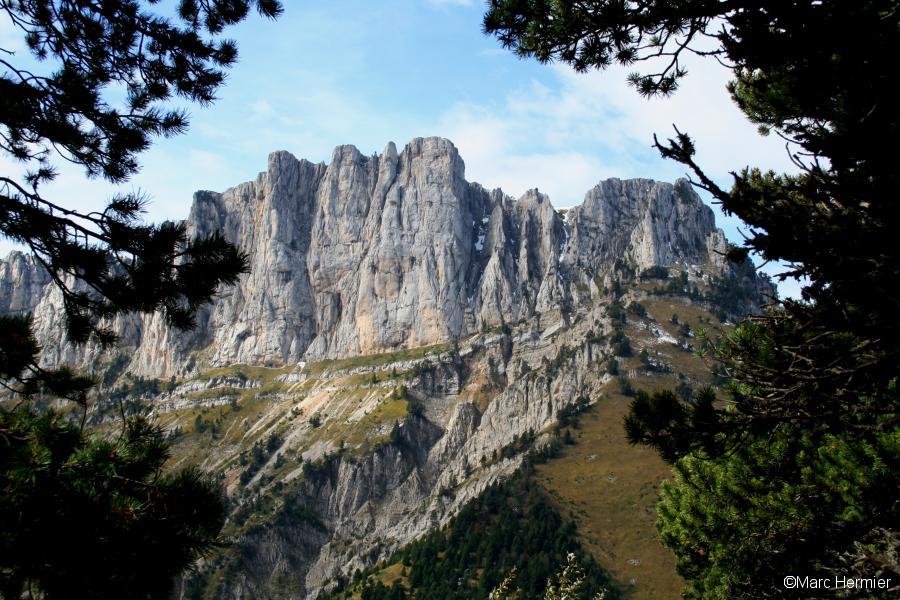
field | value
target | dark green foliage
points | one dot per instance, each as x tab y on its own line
655	272
625	386
803	447
644	357
616	313
519	444
375	590
612	366
564	355
568	415
414	407
258	455
625	270
678	286
638	310
667	423
114	370
108	263
511	525
94	515
593	337
83	516
18	364
132	389
620	344
729	296
598	33
199	424
684	391
848	488
617	290
422	368
394	436
653	365
543	453
323	468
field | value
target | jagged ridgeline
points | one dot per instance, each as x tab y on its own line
403	339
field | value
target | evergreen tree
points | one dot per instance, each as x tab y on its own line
511	527
95	518
106	263
796	468
83	515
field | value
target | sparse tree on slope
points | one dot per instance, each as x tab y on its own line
567	584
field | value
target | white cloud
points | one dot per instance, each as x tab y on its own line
491	146
448	3
597	120
262	109
12	39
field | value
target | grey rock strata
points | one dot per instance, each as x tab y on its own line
376	253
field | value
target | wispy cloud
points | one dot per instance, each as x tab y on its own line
262	109
448	3
11	37
596	121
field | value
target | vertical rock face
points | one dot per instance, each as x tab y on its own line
270	315
645	223
390	249
374	253
22	283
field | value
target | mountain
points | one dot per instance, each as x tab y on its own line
403	339
371	254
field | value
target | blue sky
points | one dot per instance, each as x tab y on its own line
366	73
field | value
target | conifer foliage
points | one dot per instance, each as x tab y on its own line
796	470
511	528
110	262
96	518
84	516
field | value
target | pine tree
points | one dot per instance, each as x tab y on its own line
94	515
107	263
84	515
805	440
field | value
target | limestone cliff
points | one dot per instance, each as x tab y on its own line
398	250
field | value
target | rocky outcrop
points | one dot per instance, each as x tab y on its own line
375	253
646	223
22	283
357	510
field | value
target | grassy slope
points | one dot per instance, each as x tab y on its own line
609	487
